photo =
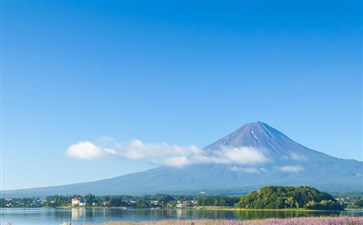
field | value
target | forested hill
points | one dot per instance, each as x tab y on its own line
279	197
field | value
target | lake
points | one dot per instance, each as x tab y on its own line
44	216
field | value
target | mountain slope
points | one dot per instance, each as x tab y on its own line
288	163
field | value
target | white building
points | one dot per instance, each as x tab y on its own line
77	202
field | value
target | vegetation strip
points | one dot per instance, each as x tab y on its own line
269	198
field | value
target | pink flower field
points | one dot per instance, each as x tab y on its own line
292	221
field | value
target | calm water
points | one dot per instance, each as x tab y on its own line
80	216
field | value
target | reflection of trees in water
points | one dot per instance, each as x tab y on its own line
353	213
89	215
55	213
212	214
249	215
144	214
99	216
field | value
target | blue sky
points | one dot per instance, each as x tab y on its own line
181	73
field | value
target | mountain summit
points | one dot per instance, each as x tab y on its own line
287	163
252	134
273	143
262	136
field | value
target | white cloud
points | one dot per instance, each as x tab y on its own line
295	156
174	155
241	155
88	150
178	161
166	154
251	170
291	169
138	150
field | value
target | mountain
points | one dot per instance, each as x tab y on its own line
260	155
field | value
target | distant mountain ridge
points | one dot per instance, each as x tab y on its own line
288	163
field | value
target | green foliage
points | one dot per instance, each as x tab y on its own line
117	201
90	200
324	205
279	197
146	201
57	201
355	202
142	204
165	199
272	197
217	200
359	202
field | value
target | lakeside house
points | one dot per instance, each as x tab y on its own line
182	204
154	202
77	202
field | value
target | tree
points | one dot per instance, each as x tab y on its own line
90	199
277	197
165	199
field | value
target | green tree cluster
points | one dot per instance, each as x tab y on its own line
280	197
57	201
217	200
356	202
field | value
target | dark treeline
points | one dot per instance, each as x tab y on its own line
146	201
218	201
21	202
279	197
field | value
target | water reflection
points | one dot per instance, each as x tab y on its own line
248	215
99	216
78	213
